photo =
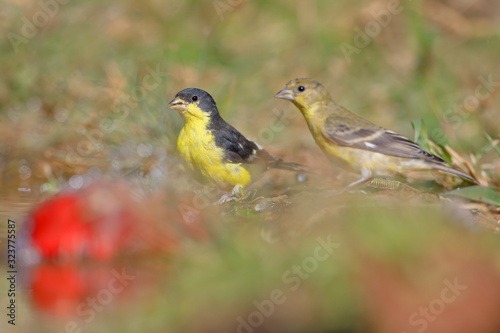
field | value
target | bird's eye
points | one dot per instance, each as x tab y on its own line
194	98
301	88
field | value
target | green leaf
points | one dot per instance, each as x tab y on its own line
478	193
493	145
421	136
444	153
417	127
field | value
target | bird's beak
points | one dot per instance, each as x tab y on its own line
285	94
177	104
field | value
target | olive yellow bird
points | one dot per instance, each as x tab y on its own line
214	150
365	147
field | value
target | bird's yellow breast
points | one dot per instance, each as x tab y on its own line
196	145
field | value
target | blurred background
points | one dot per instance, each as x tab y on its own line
87	157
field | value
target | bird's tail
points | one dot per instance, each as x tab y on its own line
454	171
291	166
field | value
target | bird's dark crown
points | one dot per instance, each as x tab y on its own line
194	95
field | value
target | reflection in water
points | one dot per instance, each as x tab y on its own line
78	292
94	250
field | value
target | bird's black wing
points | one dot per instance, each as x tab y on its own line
368	136
237	148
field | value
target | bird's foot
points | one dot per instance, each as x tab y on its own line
236	194
225	198
354	187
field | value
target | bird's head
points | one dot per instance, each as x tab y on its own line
194	103
304	93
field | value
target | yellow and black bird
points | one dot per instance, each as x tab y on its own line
214	150
365	147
